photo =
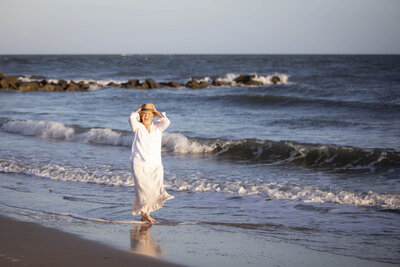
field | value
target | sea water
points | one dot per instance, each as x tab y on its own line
313	160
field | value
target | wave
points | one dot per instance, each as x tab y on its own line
75	216
326	156
105	175
56	130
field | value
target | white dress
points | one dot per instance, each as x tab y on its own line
147	168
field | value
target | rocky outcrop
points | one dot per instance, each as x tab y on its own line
9	82
29	87
171	84
216	82
131	84
135	84
13	83
194	84
247	80
275	79
150	84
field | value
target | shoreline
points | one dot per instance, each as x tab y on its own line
30	244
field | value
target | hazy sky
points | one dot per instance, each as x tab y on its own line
201	26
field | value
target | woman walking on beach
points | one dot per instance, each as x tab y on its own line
148	171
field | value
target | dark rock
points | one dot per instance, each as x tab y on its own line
134	83
152	84
174	84
29	87
92	83
43	83
9	82
72	87
51	87
253	82
83	86
247	80
1	75
275	79
194	84
164	84
63	84
170	84
215	82
58	88
144	86
244	79
113	84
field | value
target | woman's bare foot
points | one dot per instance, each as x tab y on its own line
146	217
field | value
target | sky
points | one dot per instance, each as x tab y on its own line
200	27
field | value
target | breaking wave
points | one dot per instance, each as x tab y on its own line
327	156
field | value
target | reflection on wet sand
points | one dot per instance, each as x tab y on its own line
142	242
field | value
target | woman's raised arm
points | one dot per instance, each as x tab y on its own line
134	119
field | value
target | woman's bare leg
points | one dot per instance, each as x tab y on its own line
146	217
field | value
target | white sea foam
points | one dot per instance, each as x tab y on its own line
49	129
68	173
228	78
44	129
107	176
265	80
104	137
181	144
75	216
289	191
29	78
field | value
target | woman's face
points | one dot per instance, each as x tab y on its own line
146	117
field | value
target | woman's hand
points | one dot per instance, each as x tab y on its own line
139	109
158	113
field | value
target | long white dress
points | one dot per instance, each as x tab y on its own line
147	168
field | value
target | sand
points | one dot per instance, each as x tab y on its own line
28	244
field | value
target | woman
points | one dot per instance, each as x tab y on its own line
146	162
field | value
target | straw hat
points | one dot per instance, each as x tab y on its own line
148	107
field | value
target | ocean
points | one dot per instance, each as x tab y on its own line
313	160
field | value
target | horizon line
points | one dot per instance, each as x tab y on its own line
201	54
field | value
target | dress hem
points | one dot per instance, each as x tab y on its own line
155	205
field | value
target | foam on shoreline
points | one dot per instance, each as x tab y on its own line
273	190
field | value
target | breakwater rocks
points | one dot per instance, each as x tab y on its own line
28	85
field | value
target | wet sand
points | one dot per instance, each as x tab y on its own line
28	244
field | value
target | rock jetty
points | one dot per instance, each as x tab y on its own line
13	83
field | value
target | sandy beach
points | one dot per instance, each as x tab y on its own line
28	244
